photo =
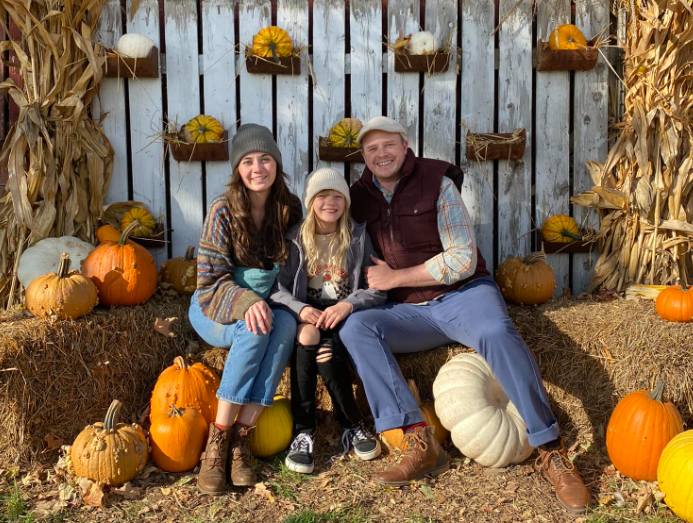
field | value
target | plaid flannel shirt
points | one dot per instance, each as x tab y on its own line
458	259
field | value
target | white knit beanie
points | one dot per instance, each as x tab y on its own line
323	179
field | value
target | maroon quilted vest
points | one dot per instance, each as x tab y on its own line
405	231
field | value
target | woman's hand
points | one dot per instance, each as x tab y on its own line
309	315
331	316
258	318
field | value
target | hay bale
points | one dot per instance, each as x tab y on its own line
55	377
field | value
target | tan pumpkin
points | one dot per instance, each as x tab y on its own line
146	222
345	133
526	280
124	272
185	386
395	438
181	273
62	295
272	41
203	129
566	37
178	439
109	453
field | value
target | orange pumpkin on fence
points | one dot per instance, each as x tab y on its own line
566	37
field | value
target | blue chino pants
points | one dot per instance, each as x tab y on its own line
475	316
255	362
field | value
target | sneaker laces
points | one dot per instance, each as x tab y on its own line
348	436
302	443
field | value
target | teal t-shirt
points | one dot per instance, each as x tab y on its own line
259	281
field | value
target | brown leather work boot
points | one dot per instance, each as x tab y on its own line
571	492
242	474
423	456
212	476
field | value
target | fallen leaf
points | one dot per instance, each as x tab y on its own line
46	509
185	480
262	490
148	471
127	491
162	326
658	495
92	493
427	491
166	491
644	501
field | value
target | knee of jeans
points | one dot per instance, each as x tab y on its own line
497	332
284	321
354	329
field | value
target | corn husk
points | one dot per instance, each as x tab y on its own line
643	190
648	292
59	160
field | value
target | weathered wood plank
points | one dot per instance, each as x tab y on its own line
292	98
183	90
112	104
329	30
552	154
440	89
515	112
219	74
590	116
256	89
403	88
366	37
476	104
146	119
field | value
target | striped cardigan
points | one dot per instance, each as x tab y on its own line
220	297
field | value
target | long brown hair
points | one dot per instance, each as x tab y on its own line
248	245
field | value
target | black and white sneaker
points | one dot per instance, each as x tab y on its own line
300	456
366	446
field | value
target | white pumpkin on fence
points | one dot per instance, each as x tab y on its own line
44	257
483	422
423	43
133	45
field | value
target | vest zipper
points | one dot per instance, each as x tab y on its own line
392	237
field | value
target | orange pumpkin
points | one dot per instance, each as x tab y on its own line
178	439
181	273
675	303
566	37
123	272
185	386
107	233
639	429
394	438
526	281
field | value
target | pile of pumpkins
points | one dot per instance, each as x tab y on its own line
117	272
182	406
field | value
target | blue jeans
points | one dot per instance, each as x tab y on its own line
475	316
255	362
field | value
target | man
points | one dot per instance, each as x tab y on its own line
439	292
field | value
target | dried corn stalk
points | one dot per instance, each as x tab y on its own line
643	190
59	160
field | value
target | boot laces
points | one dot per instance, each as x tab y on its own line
560	461
215	443
241	443
414	443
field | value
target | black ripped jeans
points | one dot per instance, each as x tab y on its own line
306	363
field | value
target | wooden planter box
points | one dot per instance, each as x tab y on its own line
120	67
498	150
329	153
576	247
568	60
201	152
287	65
153	241
422	63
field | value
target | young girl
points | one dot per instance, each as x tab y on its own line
321	284
241	245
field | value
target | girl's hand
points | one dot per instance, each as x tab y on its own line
331	316
309	315
258	318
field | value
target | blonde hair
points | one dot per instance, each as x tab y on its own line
339	244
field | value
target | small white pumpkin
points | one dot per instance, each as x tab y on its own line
44	257
483	422
423	43
133	45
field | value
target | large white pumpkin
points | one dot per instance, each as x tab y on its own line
483	422
44	257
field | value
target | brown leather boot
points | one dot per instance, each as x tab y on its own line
423	456
242	474
571	492
212	476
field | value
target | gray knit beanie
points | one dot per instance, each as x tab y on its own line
251	138
323	179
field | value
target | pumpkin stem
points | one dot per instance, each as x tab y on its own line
64	266
566	232
126	233
190	254
112	415
175	411
534	257
273	50
181	363
658	391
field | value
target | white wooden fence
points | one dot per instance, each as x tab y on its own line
491	86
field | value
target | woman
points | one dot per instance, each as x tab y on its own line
241	247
